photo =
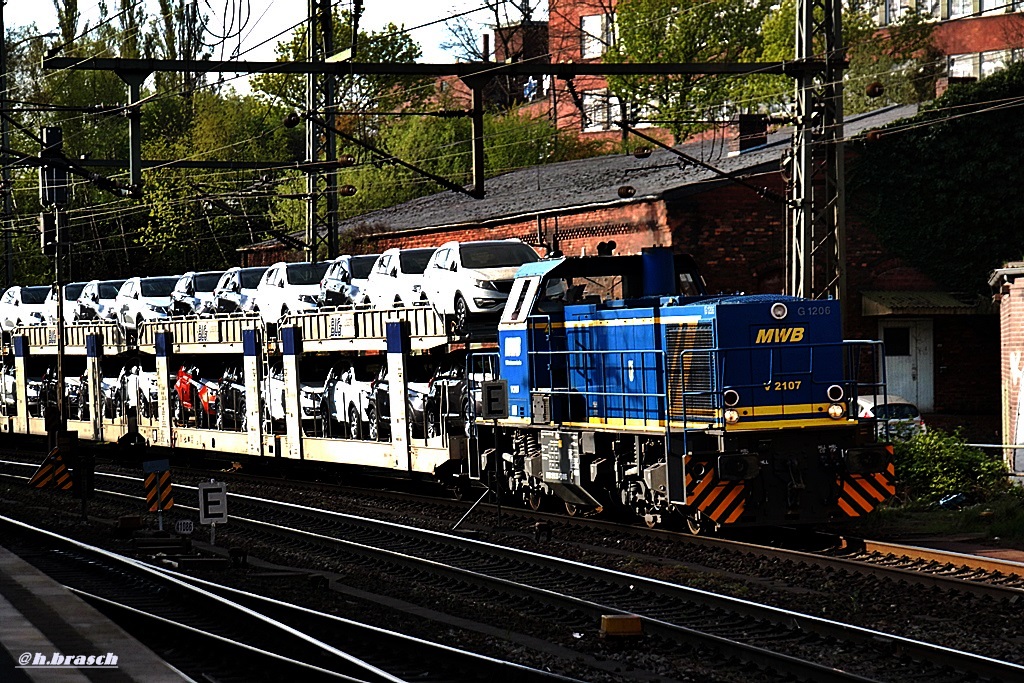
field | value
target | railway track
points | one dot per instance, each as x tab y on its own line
971	574
778	640
232	635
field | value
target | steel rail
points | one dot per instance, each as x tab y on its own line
865	566
916	649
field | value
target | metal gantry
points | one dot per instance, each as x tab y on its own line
816	259
321	180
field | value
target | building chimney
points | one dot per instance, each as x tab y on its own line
752	132
487	47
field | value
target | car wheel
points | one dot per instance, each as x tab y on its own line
374	428
416	427
177	410
461	313
354	423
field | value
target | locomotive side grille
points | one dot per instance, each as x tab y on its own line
694	367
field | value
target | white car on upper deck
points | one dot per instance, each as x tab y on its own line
396	278
288	288
465	279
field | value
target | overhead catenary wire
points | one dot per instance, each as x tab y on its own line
454	143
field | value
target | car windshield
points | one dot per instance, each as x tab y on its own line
307	273
205	282
361	266
251	277
34	295
497	255
108	290
414	261
896	411
158	286
73	291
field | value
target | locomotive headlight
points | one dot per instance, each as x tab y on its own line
779	310
731	397
836	411
835	393
732	417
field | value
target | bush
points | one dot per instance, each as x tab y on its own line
936	464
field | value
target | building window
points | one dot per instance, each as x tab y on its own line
963	66
597	33
991	62
599	110
960	8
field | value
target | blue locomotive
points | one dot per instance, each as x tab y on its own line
630	386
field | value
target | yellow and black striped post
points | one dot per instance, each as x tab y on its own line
52	473
159	494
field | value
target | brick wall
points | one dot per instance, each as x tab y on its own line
1011	328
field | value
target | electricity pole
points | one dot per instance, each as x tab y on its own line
53	195
817	256
321	181
5	173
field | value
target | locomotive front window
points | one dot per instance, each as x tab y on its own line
524	292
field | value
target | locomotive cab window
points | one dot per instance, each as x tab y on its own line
522	296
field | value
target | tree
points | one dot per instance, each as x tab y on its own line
933	187
364	93
655	31
901	58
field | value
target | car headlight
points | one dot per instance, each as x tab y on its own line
485	284
307	298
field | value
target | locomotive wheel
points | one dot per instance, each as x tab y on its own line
572	509
354	423
535	499
693	524
651	521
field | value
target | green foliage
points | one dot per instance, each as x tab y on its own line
936	464
359	93
903	59
690	31
934	188
442	146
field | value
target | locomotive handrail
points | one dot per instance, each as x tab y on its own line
644	370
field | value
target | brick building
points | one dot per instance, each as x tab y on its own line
1008	292
975	37
944	347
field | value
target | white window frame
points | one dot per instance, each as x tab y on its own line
597	34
